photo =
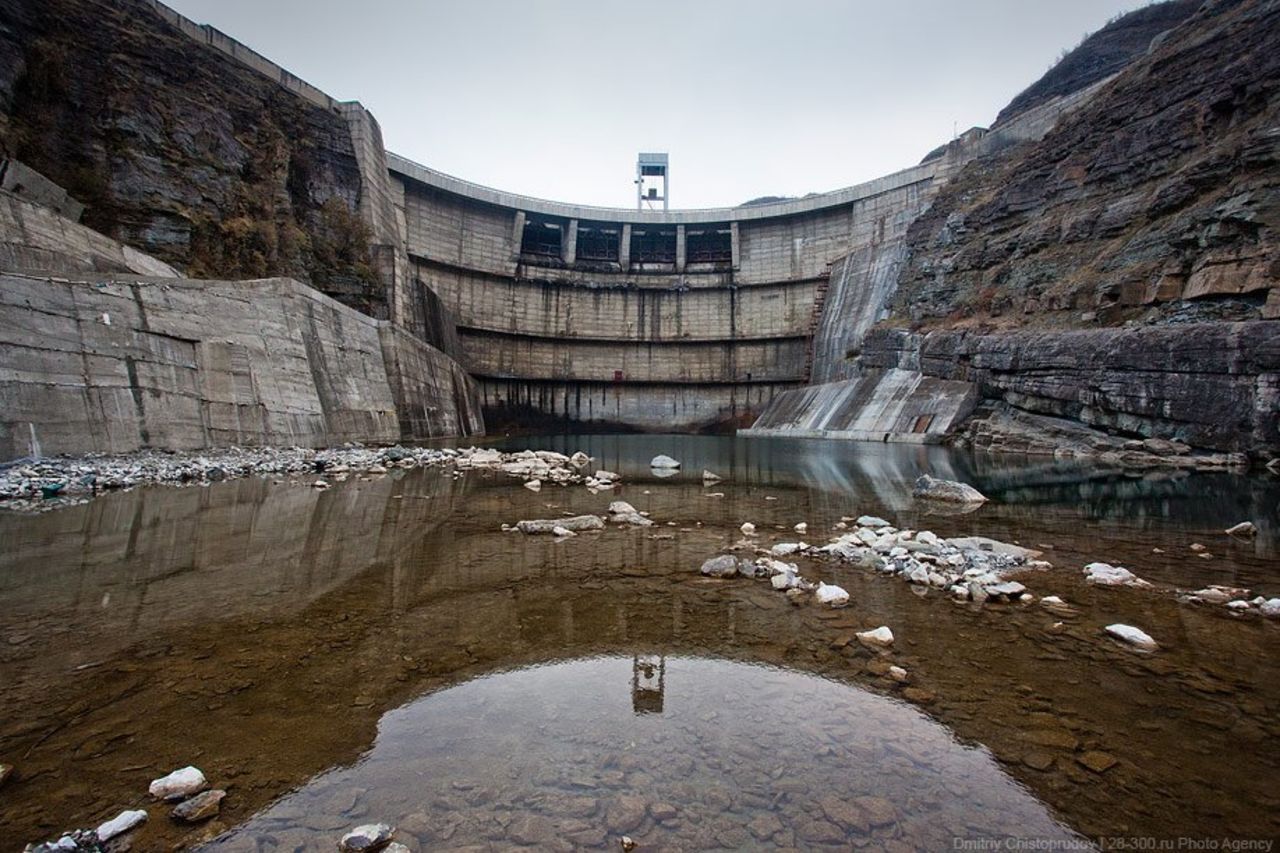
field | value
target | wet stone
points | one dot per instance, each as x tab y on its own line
626	813
1038	760
531	830
764	826
200	807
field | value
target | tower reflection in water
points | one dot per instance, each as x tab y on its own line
648	681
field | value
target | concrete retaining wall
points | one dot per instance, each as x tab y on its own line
118	364
35	237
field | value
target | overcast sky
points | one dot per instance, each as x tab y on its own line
554	98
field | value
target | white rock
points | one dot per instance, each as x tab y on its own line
833	595
1238	605
919	575
607	477
178	784
748	529
121	823
1135	637
802	527
579	459
898	674
562	532
1270	608
1244	528
320	484
663	461
927	537
1105	574
871	521
621	508
783	549
534	485
371	836
881	636
708	478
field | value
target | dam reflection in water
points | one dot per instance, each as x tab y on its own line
741	755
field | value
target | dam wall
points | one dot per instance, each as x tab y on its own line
681	320
114	364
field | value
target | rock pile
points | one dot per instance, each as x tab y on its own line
46	483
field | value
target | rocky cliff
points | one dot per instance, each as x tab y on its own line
1157	201
181	151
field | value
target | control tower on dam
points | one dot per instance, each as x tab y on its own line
640	319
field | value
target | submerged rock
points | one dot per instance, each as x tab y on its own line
573	523
369	838
200	807
1135	637
932	488
178	784
663	461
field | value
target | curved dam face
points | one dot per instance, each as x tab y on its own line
681	320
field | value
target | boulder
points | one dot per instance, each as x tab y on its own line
724	566
663	461
548	525
871	521
931	488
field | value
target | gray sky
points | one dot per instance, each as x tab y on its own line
554	98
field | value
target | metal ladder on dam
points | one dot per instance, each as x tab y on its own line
815	318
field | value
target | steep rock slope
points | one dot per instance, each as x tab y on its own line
1157	201
181	151
1102	53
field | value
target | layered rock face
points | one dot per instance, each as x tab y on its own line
181	151
1157	201
1208	385
1109	289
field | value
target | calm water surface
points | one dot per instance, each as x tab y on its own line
382	651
